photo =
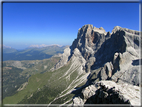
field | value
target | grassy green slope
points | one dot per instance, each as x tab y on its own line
15	73
50	87
36	82
12	80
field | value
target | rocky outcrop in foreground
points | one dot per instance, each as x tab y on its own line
109	92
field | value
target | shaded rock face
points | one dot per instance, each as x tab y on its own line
107	96
95	42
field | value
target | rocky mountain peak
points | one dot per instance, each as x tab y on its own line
108	50
89	38
118	28
100	30
104	56
87	26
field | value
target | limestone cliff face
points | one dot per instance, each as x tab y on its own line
105	56
89	40
112	52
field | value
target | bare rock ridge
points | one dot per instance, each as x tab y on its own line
63	60
112	58
109	92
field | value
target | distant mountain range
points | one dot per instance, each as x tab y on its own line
43	45
7	49
32	53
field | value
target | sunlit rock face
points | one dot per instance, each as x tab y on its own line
89	40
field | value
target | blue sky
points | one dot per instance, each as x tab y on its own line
26	24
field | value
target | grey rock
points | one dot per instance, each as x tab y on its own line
103	74
132	76
118	28
106	71
108	67
89	63
63	60
88	92
101	28
77	101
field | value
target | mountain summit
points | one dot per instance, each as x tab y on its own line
105	57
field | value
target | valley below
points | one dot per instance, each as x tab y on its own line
16	74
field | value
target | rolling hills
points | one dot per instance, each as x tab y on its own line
31	53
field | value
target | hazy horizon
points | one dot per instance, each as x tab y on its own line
26	24
34	46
